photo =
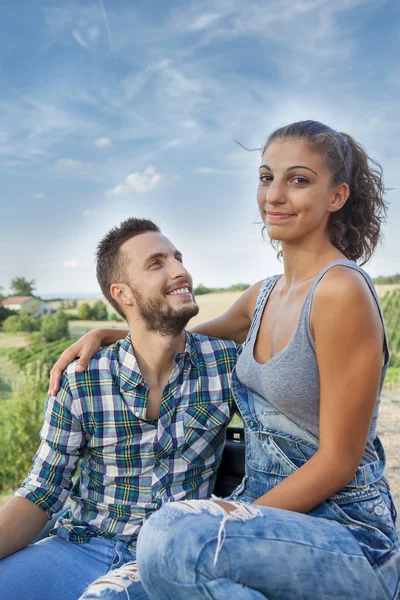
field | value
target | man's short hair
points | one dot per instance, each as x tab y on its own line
110	264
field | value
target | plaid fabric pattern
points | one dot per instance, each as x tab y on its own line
130	465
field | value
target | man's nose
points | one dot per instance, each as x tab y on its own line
178	270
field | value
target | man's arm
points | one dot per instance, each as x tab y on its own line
46	487
20	522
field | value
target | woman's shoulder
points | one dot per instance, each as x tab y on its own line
347	295
343	282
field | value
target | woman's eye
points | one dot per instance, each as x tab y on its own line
300	180
265	178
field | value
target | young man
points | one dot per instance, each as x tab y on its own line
146	421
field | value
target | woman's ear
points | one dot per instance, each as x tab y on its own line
339	198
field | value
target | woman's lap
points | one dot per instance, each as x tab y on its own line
278	554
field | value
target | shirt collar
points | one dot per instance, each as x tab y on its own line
130	375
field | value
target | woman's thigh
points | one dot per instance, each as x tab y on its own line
54	568
280	554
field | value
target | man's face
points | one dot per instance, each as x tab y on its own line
160	286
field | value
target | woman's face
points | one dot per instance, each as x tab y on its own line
295	194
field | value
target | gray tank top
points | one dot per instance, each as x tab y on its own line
290	380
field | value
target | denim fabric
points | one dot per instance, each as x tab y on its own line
56	569
346	548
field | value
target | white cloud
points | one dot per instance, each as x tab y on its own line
68	163
79	39
103	142
213	171
39	196
73	263
141	183
205	20
49	265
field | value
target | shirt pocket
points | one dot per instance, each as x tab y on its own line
204	431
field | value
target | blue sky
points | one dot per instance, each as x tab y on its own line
111	109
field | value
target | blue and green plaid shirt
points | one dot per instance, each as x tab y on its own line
130	465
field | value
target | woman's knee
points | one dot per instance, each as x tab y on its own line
172	539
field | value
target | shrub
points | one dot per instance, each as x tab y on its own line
21	322
99	311
55	326
5	312
85	312
20	420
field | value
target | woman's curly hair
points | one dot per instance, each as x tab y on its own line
355	229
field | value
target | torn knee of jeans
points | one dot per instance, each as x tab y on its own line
117	581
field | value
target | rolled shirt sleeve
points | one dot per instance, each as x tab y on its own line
55	462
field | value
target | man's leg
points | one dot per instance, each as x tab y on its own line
192	550
54	569
117	584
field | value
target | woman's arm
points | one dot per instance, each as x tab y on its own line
348	335
232	325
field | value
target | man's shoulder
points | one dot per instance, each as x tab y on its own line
211	348
102	363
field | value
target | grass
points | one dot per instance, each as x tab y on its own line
78	328
382	289
13	340
8	374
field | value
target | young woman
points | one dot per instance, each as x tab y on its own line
313	517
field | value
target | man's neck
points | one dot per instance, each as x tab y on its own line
155	352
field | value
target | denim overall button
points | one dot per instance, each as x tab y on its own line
251	423
378	510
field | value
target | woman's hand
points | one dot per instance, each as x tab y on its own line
83	349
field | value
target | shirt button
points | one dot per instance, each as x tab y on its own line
137	414
378	510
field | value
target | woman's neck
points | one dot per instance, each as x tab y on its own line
304	264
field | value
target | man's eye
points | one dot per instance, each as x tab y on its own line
156	263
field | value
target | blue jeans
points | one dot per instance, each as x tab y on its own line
55	569
346	548
187	550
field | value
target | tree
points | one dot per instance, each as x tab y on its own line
85	312
55	326
99	311
202	289
5	312
22	287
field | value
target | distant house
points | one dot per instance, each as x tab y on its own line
34	306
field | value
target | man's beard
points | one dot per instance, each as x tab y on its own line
159	316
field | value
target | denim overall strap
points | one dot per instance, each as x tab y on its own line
262	295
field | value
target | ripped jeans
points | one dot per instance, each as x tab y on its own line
345	548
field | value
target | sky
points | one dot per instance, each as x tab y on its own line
118	108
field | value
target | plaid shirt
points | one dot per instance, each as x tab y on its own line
130	465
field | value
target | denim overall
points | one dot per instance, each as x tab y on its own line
344	549
276	447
